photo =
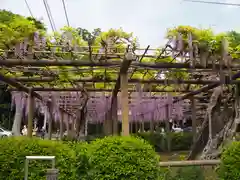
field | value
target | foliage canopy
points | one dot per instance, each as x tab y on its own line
15	28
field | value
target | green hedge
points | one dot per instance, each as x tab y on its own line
179	141
107	158
230	162
185	173
14	150
118	158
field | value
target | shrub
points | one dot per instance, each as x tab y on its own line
116	158
230	162
14	150
186	173
179	141
82	161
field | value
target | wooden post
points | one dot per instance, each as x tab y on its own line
190	46
168	129
136	127
52	174
151	124
124	104
114	116
73	127
50	120
108	123
194	125
30	113
61	125
68	125
142	125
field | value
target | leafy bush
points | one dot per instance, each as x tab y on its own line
179	141
230	162
14	150
186	173
82	161
116	158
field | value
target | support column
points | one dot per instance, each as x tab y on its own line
108	124
168	134
114	119
30	113
73	128
194	123
68	125
124	104
151	123
61	125
50	120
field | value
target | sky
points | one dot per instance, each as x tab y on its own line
147	19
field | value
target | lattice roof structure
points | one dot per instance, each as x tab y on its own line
43	68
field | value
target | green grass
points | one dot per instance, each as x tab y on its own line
174	156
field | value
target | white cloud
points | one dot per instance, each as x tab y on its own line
148	20
231	2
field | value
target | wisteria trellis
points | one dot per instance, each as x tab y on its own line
143	109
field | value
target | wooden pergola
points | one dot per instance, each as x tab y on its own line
87	71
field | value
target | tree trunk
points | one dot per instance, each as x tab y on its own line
224	122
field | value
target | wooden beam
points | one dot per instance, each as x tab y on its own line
44	63
117	86
97	90
206	88
190	163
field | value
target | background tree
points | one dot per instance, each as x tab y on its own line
14	28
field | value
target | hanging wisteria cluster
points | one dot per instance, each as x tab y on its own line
145	109
58	99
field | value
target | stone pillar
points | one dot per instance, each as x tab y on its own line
52	174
